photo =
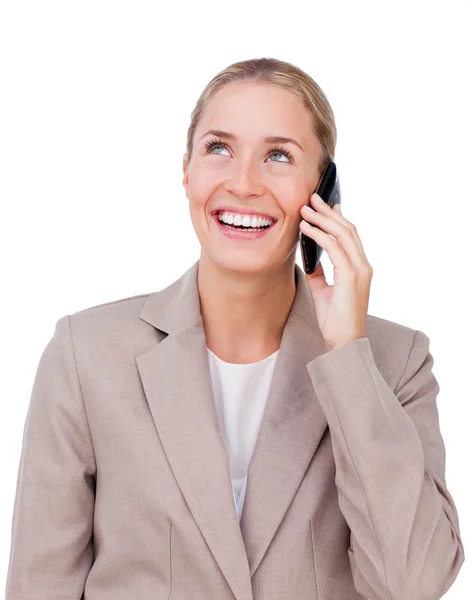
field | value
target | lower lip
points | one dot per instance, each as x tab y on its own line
240	234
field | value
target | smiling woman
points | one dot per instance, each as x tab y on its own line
205	440
261	134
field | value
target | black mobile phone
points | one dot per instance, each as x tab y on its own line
328	188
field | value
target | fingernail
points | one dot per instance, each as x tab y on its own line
318	199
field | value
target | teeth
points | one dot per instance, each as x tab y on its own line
246	221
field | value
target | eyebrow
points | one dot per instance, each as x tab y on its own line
273	139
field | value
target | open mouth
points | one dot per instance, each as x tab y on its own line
217	213
241	232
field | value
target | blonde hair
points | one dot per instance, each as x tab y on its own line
286	76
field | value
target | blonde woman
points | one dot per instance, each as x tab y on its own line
248	432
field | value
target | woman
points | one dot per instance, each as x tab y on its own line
248	432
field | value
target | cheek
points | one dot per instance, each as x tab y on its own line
201	186
206	170
292	196
291	207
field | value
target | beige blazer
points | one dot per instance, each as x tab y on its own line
124	490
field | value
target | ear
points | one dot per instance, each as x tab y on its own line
185	171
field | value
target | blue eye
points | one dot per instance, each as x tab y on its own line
214	143
282	151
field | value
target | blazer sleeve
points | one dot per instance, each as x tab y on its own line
390	472
51	533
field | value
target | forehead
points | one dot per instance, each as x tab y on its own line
262	109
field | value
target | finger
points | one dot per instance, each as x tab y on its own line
335	250
335	213
342	233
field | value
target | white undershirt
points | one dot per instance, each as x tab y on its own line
240	392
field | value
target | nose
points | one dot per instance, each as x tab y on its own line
245	181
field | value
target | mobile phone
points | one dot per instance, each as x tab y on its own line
328	188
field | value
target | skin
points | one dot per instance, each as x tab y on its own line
247	287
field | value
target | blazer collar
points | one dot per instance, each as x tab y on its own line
177	307
176	380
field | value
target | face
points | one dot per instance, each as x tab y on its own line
248	173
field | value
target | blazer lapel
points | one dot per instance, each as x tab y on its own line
176	380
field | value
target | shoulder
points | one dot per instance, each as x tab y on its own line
109	328
396	345
108	311
118	304
383	329
384	334
111	315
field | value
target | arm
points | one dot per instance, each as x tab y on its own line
51	535
390	472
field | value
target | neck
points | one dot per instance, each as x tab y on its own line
244	314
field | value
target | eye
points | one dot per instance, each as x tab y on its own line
215	143
286	153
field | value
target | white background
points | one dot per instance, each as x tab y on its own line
95	103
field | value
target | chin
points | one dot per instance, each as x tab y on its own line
247	256
242	262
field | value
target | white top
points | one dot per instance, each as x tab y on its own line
240	392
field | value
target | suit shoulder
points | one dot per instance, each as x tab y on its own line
111	311
385	327
129	299
109	330
388	336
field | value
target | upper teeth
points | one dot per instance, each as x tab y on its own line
246	221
